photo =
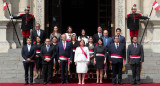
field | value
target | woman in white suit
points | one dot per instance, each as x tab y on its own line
81	60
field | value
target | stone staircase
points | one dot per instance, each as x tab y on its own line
11	67
12	71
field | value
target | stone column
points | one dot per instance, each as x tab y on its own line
4	45
22	5
40	11
120	15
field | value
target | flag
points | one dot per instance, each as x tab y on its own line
5	5
155	5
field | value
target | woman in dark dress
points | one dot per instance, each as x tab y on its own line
56	64
100	59
91	66
38	59
74	46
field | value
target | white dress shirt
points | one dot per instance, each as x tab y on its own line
38	32
117	45
100	35
29	47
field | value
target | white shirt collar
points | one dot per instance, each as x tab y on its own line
116	44
28	45
47	45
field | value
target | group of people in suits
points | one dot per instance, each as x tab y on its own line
83	55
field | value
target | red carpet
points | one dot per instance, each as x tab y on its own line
75	84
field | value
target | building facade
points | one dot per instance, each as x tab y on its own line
118	11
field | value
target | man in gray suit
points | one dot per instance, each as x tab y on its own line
135	57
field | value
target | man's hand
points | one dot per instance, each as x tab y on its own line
11	17
149	17
28	60
37	56
141	62
88	63
94	62
59	61
91	56
110	62
30	30
129	62
48	60
104	62
76	63
70	61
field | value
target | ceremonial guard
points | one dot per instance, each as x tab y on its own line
135	57
47	54
133	21
116	57
27	23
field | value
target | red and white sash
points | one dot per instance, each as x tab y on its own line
134	56
91	51
37	51
99	54
118	56
74	49
47	57
63	58
84	52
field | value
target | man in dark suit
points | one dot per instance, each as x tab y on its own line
38	33
106	42
28	53
135	57
47	54
117	55
64	53
97	35
122	38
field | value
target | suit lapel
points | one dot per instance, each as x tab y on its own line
41	32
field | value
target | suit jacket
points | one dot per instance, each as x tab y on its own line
35	35
96	37
44	52
28	54
122	39
120	51
67	52
27	21
139	51
109	42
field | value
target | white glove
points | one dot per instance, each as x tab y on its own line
30	30
11	17
149	17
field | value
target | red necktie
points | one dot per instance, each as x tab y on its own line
135	46
64	45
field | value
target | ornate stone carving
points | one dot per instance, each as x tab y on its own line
38	11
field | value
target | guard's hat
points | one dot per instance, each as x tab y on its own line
134	7
27	9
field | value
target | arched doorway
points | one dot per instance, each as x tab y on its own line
80	14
